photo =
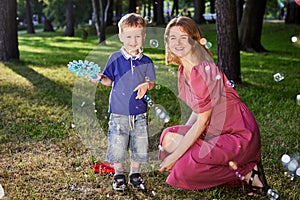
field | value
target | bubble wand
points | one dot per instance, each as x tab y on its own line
84	68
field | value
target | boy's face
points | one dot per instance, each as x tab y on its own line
132	38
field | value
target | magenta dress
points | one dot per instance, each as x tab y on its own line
232	135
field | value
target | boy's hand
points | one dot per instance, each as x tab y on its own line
142	89
95	80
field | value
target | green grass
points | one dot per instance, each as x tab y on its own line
44	157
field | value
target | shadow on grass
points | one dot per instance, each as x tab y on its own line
50	90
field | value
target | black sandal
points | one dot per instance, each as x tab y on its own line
261	191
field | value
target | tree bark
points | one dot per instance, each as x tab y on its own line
293	13
199	11
227	40
239	10
70	21
48	25
251	26
95	4
30	28
175	8
8	30
159	12
132	6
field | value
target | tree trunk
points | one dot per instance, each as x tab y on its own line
199	11
175	8
212	6
95	4
227	40
30	28
48	25
70	20
239	10
132	6
251	26
8	30
293	13
159	12
119	9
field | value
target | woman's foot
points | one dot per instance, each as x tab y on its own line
257	181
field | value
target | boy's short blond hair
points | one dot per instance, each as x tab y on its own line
131	20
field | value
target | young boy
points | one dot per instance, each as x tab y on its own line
131	74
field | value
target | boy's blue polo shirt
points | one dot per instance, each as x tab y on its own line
127	72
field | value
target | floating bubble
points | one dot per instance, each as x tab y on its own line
230	83
296	40
162	113
234	167
153	43
203	41
298	99
157	87
278	77
1	192
208	45
293	165
285	159
298	171
273	194
148	19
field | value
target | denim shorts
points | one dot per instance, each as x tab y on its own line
127	132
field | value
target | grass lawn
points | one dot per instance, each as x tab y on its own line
53	124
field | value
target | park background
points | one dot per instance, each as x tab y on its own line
43	155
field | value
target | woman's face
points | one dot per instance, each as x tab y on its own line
179	42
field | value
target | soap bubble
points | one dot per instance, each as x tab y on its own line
278	77
230	83
153	43
296	40
208	45
298	99
148	19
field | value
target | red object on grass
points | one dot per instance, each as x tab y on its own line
103	168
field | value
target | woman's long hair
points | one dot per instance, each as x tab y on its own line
190	27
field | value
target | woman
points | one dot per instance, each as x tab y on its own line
220	129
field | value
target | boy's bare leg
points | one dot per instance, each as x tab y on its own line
119	168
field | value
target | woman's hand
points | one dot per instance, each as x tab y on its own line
167	164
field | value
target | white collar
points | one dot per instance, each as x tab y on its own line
127	55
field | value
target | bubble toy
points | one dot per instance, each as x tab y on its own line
84	68
103	168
